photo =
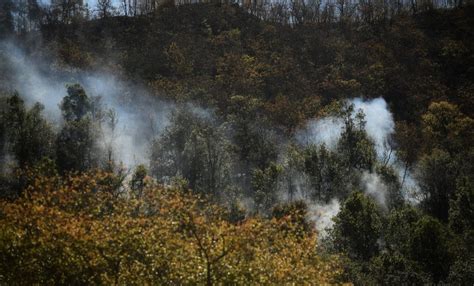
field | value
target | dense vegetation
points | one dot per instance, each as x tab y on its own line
229	191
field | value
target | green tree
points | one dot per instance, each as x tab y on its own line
429	247
76	147
396	269
138	183
446	128
394	196
437	175
357	228
462	271
461	222
409	144
355	147
398	231
168	158
6	18
449	138
325	174
252	136
293	179
29	136
461	211
264	184
195	148
76	105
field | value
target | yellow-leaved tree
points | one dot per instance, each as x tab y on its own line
83	229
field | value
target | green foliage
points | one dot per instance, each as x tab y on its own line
461	211
355	147
398	231
461	272
6	18
27	135
446	128
394	192
252	135
396	269
357	227
76	143
409	143
264	183
76	105
264	74
325	174
449	145
75	146
138	182
292	177
429	247
437	177
195	148
461	220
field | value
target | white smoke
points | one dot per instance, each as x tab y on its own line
139	116
322	216
379	122
325	131
379	126
30	82
375	188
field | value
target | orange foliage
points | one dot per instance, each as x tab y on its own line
79	230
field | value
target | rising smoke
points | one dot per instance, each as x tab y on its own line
139	116
379	126
325	131
322	216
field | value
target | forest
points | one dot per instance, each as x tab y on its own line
284	142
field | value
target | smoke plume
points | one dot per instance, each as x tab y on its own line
375	188
322	216
379	126
139	116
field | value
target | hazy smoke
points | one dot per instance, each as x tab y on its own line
139	116
322	216
322	131
379	126
32	84
375	188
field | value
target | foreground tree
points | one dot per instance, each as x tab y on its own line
461	220
167	236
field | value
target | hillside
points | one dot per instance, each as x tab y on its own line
218	143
